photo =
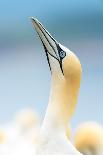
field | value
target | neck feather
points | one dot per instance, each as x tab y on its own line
61	105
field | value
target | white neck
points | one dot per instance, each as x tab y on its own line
62	100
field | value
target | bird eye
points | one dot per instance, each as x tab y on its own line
62	54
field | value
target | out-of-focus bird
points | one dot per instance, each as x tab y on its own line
26	118
3	136
88	138
8	134
7	137
27	123
17	138
66	75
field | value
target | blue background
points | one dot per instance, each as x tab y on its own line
24	72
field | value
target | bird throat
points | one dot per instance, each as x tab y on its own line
61	105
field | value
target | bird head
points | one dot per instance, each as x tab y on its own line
88	138
62	62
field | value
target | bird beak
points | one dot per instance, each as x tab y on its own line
51	46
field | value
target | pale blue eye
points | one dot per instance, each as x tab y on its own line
62	54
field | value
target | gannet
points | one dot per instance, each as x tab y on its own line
88	138
65	82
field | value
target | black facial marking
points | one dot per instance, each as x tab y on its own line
45	52
47	56
62	54
48	33
61	67
46	37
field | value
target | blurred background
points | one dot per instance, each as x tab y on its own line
24	72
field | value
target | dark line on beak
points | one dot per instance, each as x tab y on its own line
48	33
47	56
46	37
45	52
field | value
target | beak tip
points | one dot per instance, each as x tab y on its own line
34	21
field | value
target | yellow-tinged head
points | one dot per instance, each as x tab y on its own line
72	73
89	138
66	75
62	61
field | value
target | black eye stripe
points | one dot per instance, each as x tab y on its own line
61	53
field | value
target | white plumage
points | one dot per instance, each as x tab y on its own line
66	74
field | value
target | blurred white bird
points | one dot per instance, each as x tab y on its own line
8	135
88	138
27	123
3	136
66	75
20	135
26	118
